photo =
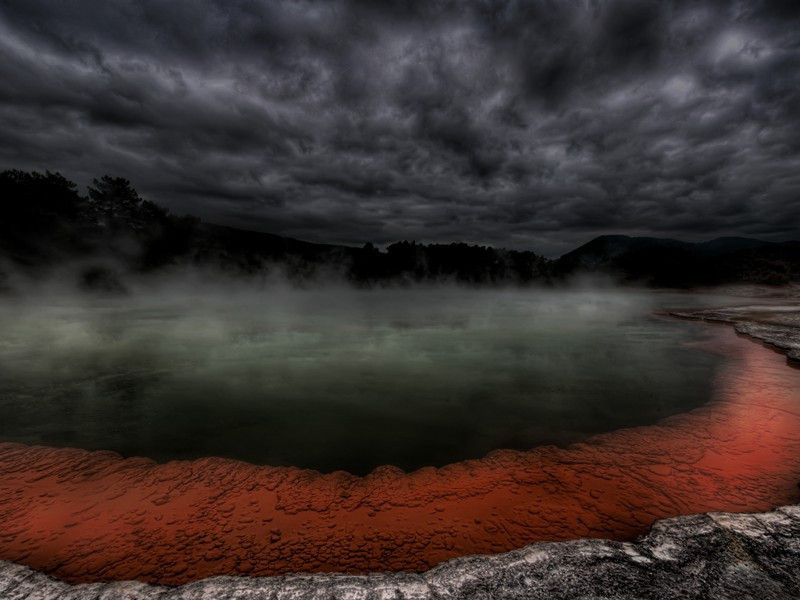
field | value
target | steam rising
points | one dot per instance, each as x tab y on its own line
335	378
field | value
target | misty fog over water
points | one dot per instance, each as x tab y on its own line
342	379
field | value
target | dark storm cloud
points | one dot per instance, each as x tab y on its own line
526	124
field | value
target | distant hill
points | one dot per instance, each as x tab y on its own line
673	263
48	228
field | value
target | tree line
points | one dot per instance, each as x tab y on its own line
45	221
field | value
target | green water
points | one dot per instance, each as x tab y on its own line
341	379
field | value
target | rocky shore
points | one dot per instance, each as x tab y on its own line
775	325
709	556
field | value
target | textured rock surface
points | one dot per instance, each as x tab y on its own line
93	516
708	557
776	325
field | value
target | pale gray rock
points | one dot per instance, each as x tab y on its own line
713	556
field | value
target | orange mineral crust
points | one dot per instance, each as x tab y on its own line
94	516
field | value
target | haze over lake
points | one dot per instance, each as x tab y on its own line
335	379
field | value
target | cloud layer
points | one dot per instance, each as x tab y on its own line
530	125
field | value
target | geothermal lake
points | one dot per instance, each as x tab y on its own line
340	379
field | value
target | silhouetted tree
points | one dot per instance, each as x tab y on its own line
42	217
32	201
116	202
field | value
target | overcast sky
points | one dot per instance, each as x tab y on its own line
534	125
